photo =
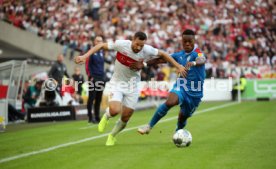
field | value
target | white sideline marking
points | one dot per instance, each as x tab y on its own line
102	135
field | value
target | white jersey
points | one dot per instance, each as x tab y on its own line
125	56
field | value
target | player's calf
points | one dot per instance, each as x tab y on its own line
126	115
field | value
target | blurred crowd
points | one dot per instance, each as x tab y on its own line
235	35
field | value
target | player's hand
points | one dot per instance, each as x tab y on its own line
79	59
182	71
136	66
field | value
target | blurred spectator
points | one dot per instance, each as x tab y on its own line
32	94
69	96
160	75
96	4
273	61
48	97
13	114
265	60
58	71
79	79
228	30
241	86
253	59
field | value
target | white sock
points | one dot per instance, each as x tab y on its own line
107	113
120	125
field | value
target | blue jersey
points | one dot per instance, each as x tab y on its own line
95	65
192	85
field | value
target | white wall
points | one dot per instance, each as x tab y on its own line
213	89
217	90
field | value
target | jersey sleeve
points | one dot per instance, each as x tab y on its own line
150	52
116	45
200	56
198	53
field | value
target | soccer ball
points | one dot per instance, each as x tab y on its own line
182	138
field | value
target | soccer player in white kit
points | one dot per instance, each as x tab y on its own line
124	95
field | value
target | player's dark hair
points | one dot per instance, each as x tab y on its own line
140	35
188	32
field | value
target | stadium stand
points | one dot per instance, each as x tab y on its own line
248	27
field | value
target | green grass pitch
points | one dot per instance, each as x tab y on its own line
239	136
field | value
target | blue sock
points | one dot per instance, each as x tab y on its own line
182	121
159	113
181	125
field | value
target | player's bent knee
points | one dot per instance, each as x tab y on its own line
171	103
114	111
172	100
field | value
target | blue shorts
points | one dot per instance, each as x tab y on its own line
187	103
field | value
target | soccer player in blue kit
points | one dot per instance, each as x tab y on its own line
187	91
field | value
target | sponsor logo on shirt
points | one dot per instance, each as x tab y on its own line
124	59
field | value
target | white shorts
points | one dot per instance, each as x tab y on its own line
127	97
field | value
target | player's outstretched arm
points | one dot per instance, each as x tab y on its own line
156	61
182	70
136	66
82	59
